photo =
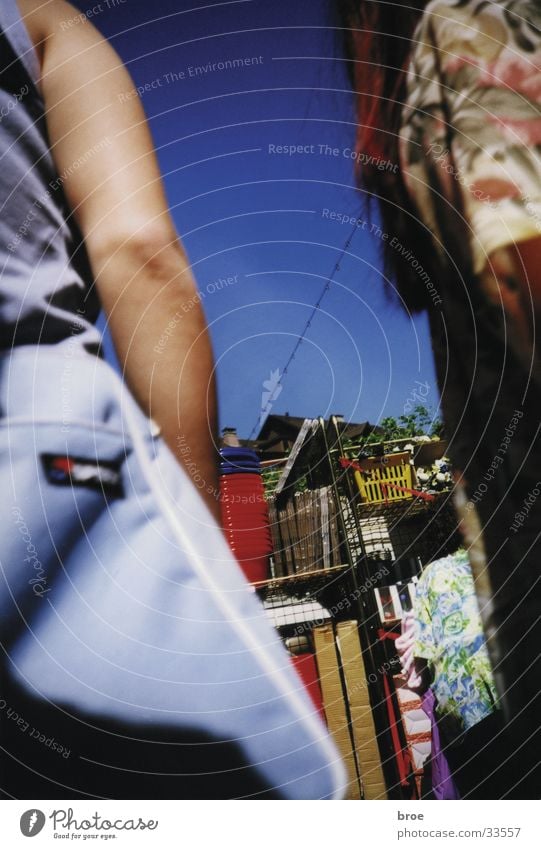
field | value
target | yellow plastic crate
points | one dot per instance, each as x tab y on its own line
393	469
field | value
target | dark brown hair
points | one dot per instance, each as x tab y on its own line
377	45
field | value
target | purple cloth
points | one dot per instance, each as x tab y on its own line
443	786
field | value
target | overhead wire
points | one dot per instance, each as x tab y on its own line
266	409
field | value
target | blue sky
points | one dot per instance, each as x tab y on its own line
264	219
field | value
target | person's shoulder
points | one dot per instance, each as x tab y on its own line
480	28
459	10
461	18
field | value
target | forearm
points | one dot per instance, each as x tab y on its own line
161	338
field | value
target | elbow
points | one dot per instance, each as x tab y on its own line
154	256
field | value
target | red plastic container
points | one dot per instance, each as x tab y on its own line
305	664
245	520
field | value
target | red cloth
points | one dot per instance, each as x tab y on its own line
402	757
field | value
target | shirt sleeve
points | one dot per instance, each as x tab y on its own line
489	56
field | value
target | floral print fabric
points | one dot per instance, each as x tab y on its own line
479	63
450	638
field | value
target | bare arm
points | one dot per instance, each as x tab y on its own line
527	260
512	278
141	271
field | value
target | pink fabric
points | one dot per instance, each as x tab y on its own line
404	647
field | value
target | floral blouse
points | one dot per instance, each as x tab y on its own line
450	637
483	59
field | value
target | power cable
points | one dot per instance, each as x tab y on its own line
265	410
